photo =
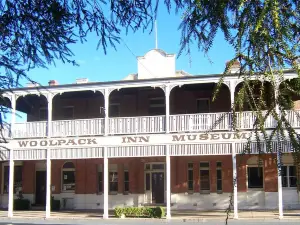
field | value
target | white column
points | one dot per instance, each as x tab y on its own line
106	110
235	192
13	114
48	185
232	90
105	182
167	96
11	184
168	168
280	207
49	130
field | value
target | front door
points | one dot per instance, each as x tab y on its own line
40	188
158	190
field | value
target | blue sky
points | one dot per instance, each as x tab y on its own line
96	66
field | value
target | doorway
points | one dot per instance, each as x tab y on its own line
155	183
40	188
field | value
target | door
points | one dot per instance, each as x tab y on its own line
158	190
40	188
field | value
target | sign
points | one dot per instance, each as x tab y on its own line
130	140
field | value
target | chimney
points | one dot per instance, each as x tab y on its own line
53	83
235	67
82	81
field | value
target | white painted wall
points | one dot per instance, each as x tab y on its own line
156	64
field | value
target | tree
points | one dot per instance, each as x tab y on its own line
264	34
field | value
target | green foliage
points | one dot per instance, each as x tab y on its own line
149	212
21	204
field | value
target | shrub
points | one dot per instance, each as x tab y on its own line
21	204
157	212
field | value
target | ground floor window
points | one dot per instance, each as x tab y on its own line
113	178
219	177
204	177
17	179
126	179
68	177
255	177
190	176
100	179
289	176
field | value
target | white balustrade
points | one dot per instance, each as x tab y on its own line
81	127
293	117
246	120
199	122
30	129
137	125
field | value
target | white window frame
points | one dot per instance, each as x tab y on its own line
201	99
263	177
288	177
62	177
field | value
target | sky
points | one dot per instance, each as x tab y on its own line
117	64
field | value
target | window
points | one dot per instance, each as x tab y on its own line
204	176
203	105
43	113
157	106
158	166
219	177
100	179
113	178
255	177
148	182
114	110
68	112
289	176
17	179
190	176
68	177
126	179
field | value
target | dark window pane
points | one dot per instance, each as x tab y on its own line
219	164
255	177
68	180
283	171
219	185
6	179
69	165
204	180
190	175
158	166
113	186
126	181
147	181
126	186
204	164
219	174
147	166
293	182
190	165
292	171
284	182
190	185
126	176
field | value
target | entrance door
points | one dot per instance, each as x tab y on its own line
40	188
158	190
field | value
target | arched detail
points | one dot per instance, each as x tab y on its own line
254	160
68	179
69	165
287	159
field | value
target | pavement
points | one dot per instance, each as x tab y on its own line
179	216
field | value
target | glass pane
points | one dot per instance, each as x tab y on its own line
6	179
190	165
292	171
158	166
219	164
147	166
126	176
219	174
147	181
126	186
293	182
190	175
113	176
255	177
204	180
18	174
100	179
68	177
283	171
113	186
204	164
284	182
190	185
219	185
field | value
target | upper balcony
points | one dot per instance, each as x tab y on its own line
139	110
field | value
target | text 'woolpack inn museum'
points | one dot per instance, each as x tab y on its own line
142	141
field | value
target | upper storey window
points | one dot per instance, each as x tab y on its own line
157	106
68	112
114	109
43	113
203	105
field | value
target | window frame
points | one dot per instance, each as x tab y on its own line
151	106
6	164
202	99
126	170
62	177
111	169
219	168
263	178
188	178
205	191
288	176
100	170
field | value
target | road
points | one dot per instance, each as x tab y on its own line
142	221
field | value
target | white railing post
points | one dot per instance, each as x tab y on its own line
232	86
168	197
13	102
11	184
48	185
235	191
167	96
49	130
106	110
105	184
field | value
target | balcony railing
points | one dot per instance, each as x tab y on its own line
146	124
